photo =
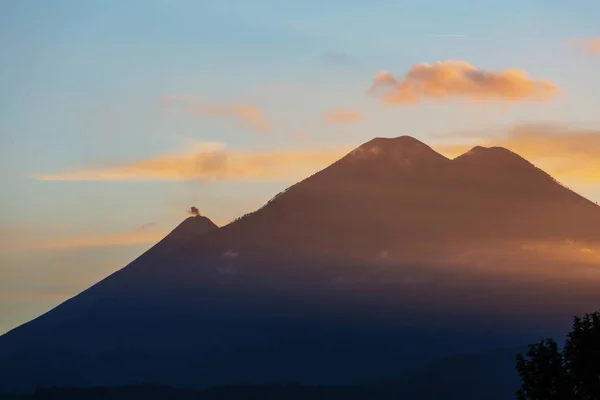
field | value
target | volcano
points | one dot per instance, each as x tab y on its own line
391	257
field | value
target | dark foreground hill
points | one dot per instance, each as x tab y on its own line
387	260
469	377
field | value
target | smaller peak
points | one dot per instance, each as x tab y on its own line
187	230
477	150
492	155
196	222
493	151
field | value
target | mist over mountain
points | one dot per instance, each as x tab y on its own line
392	257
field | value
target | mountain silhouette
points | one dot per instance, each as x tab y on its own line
390	258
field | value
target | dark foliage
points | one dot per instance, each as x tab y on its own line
573	373
543	373
582	356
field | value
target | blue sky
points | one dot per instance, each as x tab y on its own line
82	82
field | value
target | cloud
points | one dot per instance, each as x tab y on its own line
46	294
210	161
230	254
450	35
140	237
564	152
146	226
567	250
445	80
195	105
362	153
22	243
383	258
339	58
227	270
589	46
342	116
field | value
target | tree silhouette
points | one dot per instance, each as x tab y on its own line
543	373
582	355
573	373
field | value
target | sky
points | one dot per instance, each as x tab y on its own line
117	116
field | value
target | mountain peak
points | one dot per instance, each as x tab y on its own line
404	141
402	149
494	155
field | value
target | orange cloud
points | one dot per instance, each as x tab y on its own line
563	152
587	45
35	296
566	250
22	240
146	226
14	239
445	80
195	105
140	237
342	116
213	162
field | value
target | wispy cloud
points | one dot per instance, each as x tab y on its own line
24	240
210	161
567	250
589	45
140	237
195	105
564	152
339	58
13	239
146	226
448	35
342	116
446	80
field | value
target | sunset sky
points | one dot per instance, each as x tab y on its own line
117	116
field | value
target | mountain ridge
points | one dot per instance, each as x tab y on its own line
398	248
344	170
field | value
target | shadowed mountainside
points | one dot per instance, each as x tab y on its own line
468	377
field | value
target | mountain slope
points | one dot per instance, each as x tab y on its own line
391	257
21	337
